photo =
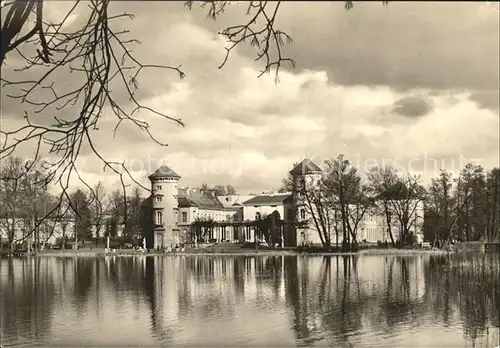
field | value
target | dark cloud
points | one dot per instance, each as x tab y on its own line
404	45
487	100
413	107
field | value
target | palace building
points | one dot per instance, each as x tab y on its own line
184	215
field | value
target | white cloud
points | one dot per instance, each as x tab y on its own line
248	131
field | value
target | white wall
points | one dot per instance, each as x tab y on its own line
249	212
372	228
193	213
167	189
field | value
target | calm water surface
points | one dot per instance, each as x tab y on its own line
417	301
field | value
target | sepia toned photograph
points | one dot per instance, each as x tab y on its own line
249	173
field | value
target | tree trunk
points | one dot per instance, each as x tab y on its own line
11	241
495	207
388	220
467	221
64	238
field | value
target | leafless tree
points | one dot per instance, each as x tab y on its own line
407	194
314	202
382	181
36	203
11	218
63	218
100	60
350	196
443	200
359	203
116	203
99	207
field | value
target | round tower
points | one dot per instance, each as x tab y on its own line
305	175
164	189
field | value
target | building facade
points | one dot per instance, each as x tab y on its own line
371	228
164	195
177	214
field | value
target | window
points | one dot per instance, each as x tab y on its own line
302	213
159	217
158	198
257	216
158	187
184	216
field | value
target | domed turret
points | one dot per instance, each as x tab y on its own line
164	188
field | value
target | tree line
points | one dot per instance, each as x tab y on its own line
218	190
27	205
461	208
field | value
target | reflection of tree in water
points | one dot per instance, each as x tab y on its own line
437	281
398	305
325	307
239	277
330	304
471	285
328	296
27	298
83	281
341	305
207	286
475	286
268	273
294	298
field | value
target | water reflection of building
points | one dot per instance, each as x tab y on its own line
201	301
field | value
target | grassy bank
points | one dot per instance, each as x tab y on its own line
401	252
235	251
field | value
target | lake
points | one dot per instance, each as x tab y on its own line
340	301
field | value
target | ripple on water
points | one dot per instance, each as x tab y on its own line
306	302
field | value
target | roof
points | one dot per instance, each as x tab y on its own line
233	200
163	171
269	199
188	198
306	167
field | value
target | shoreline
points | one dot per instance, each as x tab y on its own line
365	252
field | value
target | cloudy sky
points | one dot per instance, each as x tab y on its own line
415	84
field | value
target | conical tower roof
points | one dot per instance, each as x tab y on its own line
164	171
306	167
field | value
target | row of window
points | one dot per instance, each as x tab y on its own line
302	215
184	217
370	234
158	187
